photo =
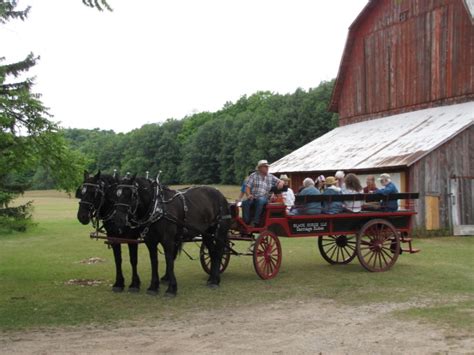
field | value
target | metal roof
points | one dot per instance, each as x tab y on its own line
393	141
470	7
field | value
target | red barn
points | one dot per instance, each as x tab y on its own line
405	98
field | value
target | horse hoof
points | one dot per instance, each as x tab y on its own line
170	294
213	286
117	289
133	289
152	292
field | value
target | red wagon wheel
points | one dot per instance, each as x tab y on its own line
337	249
267	255
378	245
205	259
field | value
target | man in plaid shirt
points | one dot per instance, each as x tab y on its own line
257	190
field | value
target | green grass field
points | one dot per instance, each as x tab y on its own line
35	267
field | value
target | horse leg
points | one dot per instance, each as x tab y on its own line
216	243
133	251
166	277
119	284
155	280
170	255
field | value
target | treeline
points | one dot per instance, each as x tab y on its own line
209	148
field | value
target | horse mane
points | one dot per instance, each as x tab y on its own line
108	178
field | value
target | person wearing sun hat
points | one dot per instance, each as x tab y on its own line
288	195
257	191
331	189
320	183
388	187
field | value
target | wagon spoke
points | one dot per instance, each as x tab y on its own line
351	247
371	256
389	255
329	243
374	260
331	248
380	260
365	242
382	254
343	256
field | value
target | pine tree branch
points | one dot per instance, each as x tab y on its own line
18	68
8	12
100	5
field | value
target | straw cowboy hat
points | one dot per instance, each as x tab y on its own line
330	180
262	163
284	177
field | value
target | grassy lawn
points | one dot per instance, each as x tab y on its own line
35	267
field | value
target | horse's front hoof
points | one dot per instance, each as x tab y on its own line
152	292
117	289
170	294
213	286
133	289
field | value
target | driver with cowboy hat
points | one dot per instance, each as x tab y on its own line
257	191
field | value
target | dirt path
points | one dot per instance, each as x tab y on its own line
285	327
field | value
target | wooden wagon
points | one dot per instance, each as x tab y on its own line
375	237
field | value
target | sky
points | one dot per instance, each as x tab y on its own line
150	60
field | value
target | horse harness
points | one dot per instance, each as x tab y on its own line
157	211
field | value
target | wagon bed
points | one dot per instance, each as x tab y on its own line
375	237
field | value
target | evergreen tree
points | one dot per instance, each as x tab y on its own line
28	138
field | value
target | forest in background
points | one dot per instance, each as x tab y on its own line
209	147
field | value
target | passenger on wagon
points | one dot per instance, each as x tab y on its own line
288	195
353	186
340	180
332	190
320	183
387	189
257	190
310	207
244	186
371	187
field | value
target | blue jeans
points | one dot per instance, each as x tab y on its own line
259	203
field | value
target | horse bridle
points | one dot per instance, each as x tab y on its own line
93	210
134	201
97	190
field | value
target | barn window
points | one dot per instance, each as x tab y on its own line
403	15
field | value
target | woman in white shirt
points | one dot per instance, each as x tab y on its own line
288	195
352	186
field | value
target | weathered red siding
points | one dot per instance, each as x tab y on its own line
405	55
432	174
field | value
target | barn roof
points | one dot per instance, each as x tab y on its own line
470	7
393	141
333	105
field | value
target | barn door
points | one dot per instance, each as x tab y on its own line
460	201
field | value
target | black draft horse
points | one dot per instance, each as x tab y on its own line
171	217
97	200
